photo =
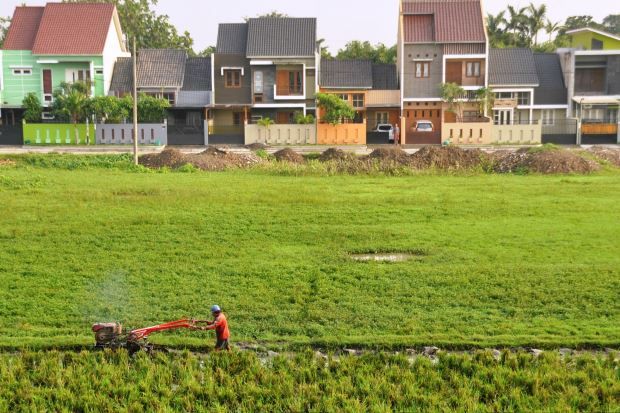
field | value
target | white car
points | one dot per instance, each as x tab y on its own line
424	126
386	128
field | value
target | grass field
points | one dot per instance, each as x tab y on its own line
499	260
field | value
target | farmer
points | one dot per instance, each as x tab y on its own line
220	325
396	134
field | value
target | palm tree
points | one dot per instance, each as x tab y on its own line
72	101
551	28
537	20
494	28
516	25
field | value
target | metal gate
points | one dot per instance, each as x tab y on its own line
12	134
562	132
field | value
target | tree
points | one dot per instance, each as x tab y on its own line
33	109
324	50
5	22
336	110
271	14
151	31
265	122
551	28
486	100
379	53
71	103
207	52
495	24
300	119
537	20
151	109
453	95
611	23
579	22
110	109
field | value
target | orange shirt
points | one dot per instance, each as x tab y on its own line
220	325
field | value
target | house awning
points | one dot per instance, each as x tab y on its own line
597	100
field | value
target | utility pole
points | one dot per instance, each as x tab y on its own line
135	103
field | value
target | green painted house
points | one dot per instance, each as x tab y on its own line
593	39
59	42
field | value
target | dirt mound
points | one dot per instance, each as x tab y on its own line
333	154
218	159
560	162
256	146
289	155
606	154
168	158
7	162
557	161
212	159
448	158
390	154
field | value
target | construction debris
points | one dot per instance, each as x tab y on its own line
448	158
212	159
289	155
606	154
334	154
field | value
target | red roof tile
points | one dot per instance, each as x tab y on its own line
23	29
455	21
73	29
419	28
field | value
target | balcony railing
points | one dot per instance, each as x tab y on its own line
469	119
288	91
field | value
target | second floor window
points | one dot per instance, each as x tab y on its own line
473	69
523	98
422	70
358	100
344	97
232	78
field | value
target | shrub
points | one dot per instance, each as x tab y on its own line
33	109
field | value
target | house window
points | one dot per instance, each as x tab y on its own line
593	115
358	100
232	78
237	118
548	117
382	118
470	116
344	97
22	72
99	72
422	70
258	82
169	96
597	44
295	81
473	69
523	98
77	75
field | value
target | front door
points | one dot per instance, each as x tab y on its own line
454	72
503	117
47	85
283	118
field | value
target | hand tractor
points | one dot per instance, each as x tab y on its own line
111	335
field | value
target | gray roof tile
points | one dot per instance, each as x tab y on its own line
286	37
232	38
197	74
512	67
354	74
384	77
122	76
161	68
552	90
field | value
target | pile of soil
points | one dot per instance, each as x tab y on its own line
333	154
289	155
7	162
448	158
559	161
256	146
607	154
219	159
168	158
390	154
212	159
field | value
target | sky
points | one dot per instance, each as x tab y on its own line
338	20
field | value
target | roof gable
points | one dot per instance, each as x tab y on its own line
197	74
159	68
232	38
346	74
453	21
73	29
512	67
552	90
23	29
384	77
281	37
589	29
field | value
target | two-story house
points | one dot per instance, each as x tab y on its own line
593	82
371	89
529	89
170	74
440	41
59	42
264	68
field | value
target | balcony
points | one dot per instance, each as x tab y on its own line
288	92
290	84
466	73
